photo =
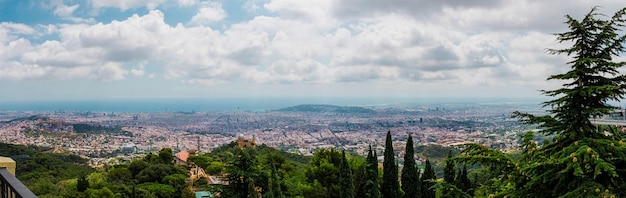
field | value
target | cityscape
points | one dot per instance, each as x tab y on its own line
300	129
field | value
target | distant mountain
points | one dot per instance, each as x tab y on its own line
326	109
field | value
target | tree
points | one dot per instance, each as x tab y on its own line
582	158
156	172
324	168
390	184
121	175
160	190
82	184
241	176
345	178
448	170
427	181
136	165
410	175
372	187
166	155
462	181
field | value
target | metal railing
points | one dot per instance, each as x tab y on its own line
11	187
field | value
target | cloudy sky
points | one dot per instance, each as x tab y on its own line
70	49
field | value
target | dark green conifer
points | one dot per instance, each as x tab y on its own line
371	171
583	159
462	180
346	184
390	187
82	184
427	181
448	170
410	177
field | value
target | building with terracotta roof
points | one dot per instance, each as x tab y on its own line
180	158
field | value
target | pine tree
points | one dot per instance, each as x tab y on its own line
584	159
426	181
448	170
346	184
372	186
390	184
410	177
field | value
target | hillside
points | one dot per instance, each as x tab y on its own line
34	165
326	109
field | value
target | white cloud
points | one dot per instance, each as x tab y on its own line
208	13
109	72
187	3
65	10
126	4
139	70
439	43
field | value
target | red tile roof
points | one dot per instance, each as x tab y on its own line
183	155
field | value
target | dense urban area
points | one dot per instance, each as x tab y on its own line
104	136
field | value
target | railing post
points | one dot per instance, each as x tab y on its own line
8	163
11	187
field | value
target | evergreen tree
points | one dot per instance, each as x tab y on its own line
82	184
166	155
427	176
346	184
372	186
410	177
583	159
241	174
448	170
462	181
390	186
274	190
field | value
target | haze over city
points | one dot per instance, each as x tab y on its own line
82	50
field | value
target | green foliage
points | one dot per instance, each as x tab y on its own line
583	159
448	190
166	155
136	165
120	175
156	172
100	193
410	174
372	186
463	182
215	168
324	168
448	171
160	190
200	160
427	181
82	184
390	187
346	185
243	174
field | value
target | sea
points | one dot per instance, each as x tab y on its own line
226	104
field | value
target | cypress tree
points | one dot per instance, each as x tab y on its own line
448	170
462	180
82	184
410	177
346	184
372	186
429	174
390	184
